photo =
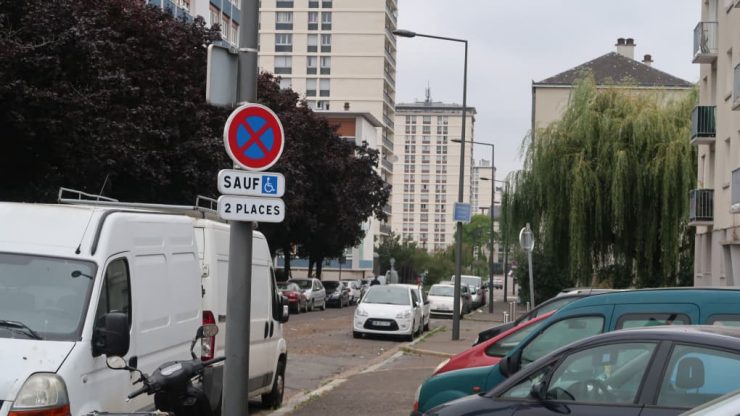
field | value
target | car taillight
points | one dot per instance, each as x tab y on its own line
208	344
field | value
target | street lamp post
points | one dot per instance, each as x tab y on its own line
461	183
490	214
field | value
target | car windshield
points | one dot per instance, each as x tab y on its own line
442	291
473	282
303	284
331	286
43	295
388	295
283	286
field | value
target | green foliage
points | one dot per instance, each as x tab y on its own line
438	266
606	187
547	274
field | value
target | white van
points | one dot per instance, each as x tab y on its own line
268	349
73	277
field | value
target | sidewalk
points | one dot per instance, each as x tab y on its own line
439	342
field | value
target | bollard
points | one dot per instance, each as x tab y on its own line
512	310
527	306
506	317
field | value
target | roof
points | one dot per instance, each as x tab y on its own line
432	106
676	294
615	68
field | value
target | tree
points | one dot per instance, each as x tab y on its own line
608	185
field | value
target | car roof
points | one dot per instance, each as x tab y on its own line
687	295
410	286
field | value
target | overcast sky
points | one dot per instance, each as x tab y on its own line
512	43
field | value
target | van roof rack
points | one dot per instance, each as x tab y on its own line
204	207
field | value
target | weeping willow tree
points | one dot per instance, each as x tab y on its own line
607	186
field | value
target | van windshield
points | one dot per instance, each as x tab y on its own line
43	297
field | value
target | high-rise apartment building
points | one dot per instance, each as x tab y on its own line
715	125
425	183
481	189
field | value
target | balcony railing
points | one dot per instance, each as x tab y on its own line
388	122
385	228
387	164
389	34
390	79
701	207
388	99
390	58
387	143
387	209
705	43
703	126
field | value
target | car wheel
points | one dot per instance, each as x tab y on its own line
340	303
426	326
274	398
356	334
323	305
409	337
311	307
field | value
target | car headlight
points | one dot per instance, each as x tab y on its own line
404	315
360	312
41	394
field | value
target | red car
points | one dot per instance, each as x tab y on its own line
491	351
296	299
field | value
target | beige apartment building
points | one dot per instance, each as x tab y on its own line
480	189
426	178
715	126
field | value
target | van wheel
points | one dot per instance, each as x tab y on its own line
274	398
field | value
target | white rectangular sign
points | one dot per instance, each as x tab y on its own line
249	208
242	182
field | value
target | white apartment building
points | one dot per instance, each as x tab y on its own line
425	183
715	129
480	195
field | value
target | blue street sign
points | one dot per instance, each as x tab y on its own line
462	212
269	184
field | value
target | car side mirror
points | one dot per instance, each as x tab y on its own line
285	315
538	391
111	335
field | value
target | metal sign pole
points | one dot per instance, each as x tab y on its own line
239	286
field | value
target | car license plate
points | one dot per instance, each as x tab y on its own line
381	323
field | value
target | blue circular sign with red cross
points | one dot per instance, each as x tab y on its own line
253	137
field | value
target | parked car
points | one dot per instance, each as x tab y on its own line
475	284
467	298
336	294
426	307
551	304
586	317
314	291
441	299
388	310
498	282
296	298
658	371
491	351
355	288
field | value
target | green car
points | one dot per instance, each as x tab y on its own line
583	318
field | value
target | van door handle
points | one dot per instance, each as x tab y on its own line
272	327
267	328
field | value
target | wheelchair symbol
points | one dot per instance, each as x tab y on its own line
268	187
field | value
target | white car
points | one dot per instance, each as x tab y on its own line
355	291
426	310
388	310
441	299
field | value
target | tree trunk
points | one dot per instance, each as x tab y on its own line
319	267
286	258
310	266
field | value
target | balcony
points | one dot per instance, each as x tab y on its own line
387	164
390	79
705	43
387	143
701	207
389	35
388	121
735	201
385	228
703	126
391	12
390	58
387	209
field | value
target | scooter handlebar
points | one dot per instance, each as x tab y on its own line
138	392
213	361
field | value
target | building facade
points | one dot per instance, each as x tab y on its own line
425	183
715	125
481	189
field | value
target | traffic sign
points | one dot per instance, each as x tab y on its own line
240	182
462	212
250	208
253	137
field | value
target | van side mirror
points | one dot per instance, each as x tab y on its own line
111	335
285	312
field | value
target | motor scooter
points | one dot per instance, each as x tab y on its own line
171	383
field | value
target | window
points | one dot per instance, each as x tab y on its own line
311	87
325	65
322	105
508	343
283	64
634	320
313	41
284	20
560	334
325	43
285	83
696	375
324	87
313	4
326	21
724	320
605	374
311	65
326	4
426	119
283	42
115	294
284	4
313	20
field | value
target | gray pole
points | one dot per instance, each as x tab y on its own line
490	211
503	228
239	285
531	284
460	196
